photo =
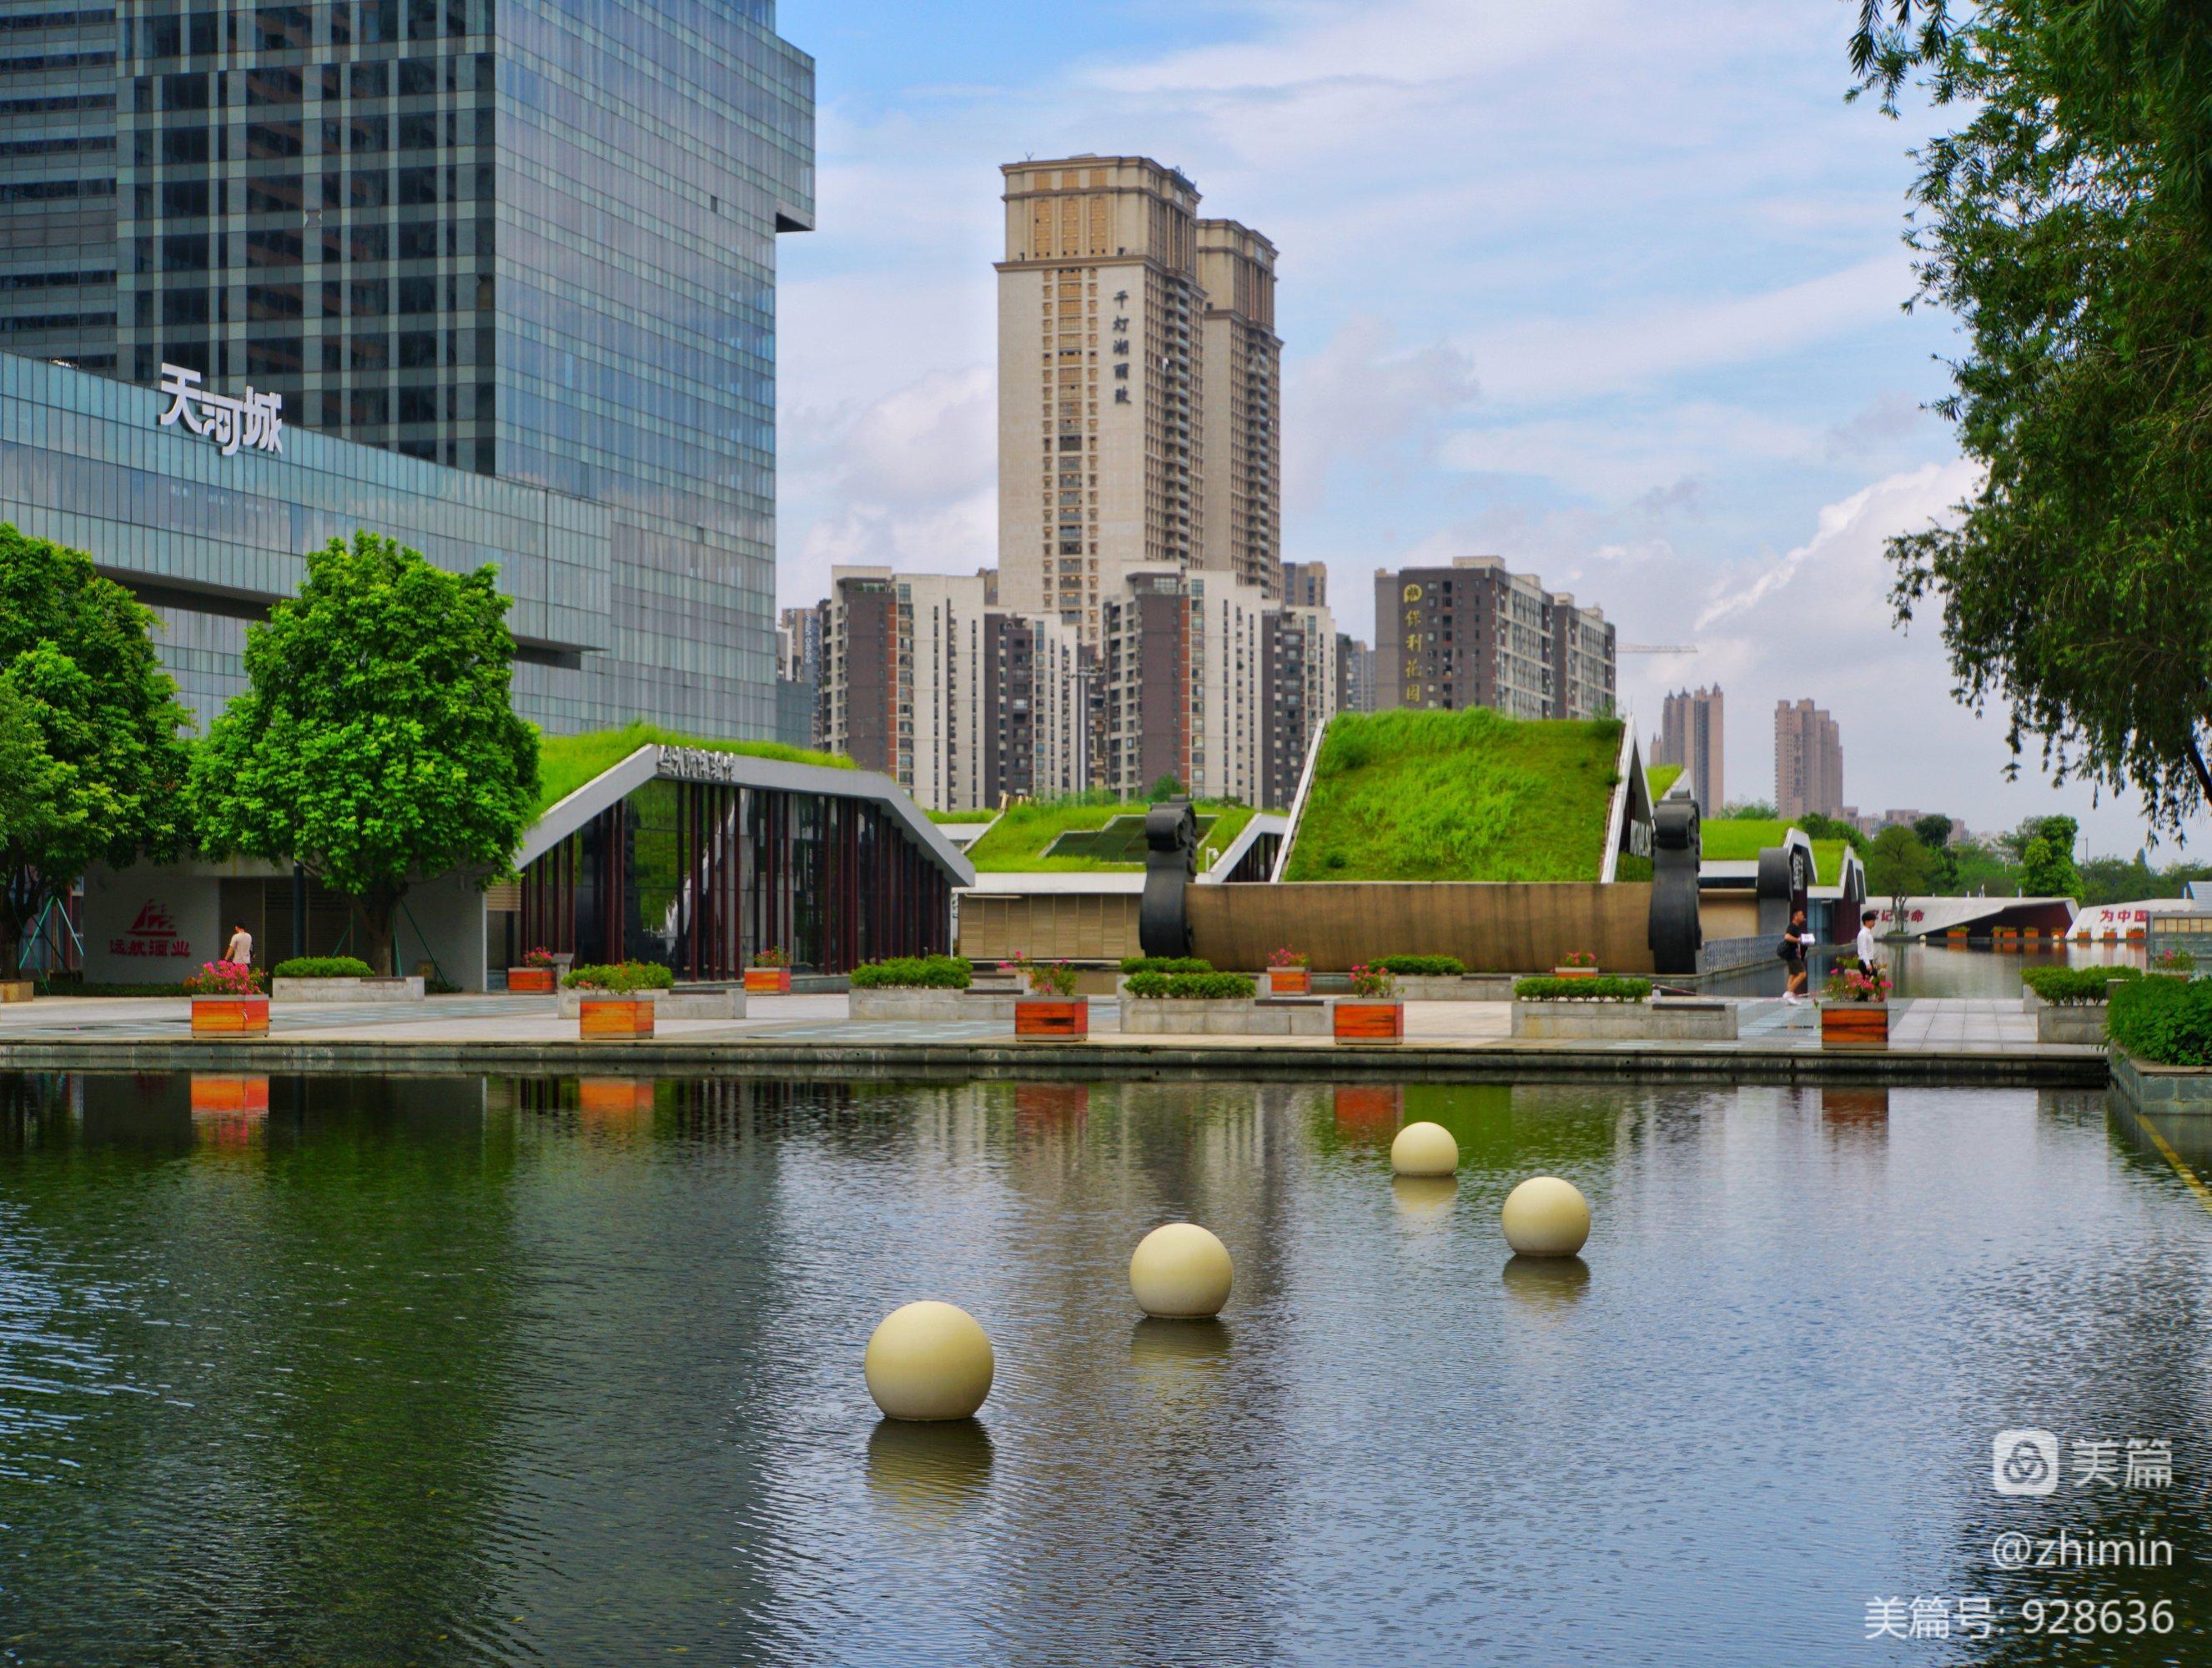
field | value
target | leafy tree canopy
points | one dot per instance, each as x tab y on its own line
375	742
2067	223
2046	862
1899	865
92	755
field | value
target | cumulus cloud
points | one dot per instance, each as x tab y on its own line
1365	397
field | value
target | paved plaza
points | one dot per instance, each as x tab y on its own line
1921	1025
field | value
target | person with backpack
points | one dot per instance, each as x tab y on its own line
1794	943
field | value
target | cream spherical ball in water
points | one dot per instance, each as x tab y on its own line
928	1361
1544	1216
1179	1271
1424	1149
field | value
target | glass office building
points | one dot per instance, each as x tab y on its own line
531	239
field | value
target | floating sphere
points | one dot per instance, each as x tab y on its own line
928	1361
1179	1272
1424	1149
1544	1216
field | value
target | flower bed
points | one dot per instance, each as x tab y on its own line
339	979
1581	988
228	1000
2067	987
619	978
914	973
1191	987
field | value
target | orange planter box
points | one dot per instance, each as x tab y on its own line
768	981
1369	1022
1854	1025
614	1016
1574	973
530	981
1052	1016
1290	981
230	1015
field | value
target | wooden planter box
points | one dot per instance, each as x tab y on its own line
1290	981
609	1017
1574	973
768	981
1052	1016
1854	1024
17	990
530	981
230	1015
1360	1019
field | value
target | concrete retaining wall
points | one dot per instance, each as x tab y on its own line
1660	1019
1283	1017
2081	1022
935	1007
409	989
673	1004
2170	1088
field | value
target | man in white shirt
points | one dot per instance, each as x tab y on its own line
1863	945
241	946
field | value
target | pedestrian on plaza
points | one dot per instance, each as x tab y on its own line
241	946
1793	944
1863	946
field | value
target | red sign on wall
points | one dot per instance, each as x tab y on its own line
153	933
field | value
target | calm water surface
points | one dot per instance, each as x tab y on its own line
456	1371
1918	969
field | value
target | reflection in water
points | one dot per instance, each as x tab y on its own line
1546	1283
1425	1198
927	1473
443	1373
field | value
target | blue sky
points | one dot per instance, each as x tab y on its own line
1611	290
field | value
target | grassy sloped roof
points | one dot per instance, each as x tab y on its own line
1742	838
565	763
1018	840
1465	796
1660	777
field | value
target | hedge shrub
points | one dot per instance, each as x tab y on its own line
1134	964
325	967
1422	966
914	973
2167	1022
2071	987
1602	989
1193	986
620	978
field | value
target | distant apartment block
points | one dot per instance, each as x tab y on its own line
1305	584
1808	761
1690	735
1476	635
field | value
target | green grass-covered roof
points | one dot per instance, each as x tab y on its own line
1465	796
565	763
1660	777
1017	841
1742	838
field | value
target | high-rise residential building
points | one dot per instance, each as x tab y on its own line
1808	761
534	241
1355	676
1240	403
1303	691
1305	584
1100	317
1035	741
1474	634
1690	735
799	644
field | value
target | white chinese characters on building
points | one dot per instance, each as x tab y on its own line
256	420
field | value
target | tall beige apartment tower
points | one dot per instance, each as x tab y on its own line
1240	494
1691	735
1101	320
1808	761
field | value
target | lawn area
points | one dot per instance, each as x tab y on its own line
1464	796
565	763
1017	841
959	816
1742	838
1660	777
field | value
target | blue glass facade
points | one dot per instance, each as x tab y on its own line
523	238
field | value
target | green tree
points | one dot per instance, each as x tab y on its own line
2046	862
375	743
1935	831
1167	787
1760	810
92	755
1898	867
1818	825
2067	223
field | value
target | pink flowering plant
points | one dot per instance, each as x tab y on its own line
225	979
1580	958
1850	982
774	957
1287	957
1046	978
539	957
1376	982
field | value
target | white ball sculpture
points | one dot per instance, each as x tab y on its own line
1179	1272
1424	1149
928	1361
1544	1216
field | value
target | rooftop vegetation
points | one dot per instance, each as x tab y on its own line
961	816
1019	841
1660	777
1742	838
565	763
1465	796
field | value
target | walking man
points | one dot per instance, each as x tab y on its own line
1792	952
241	946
